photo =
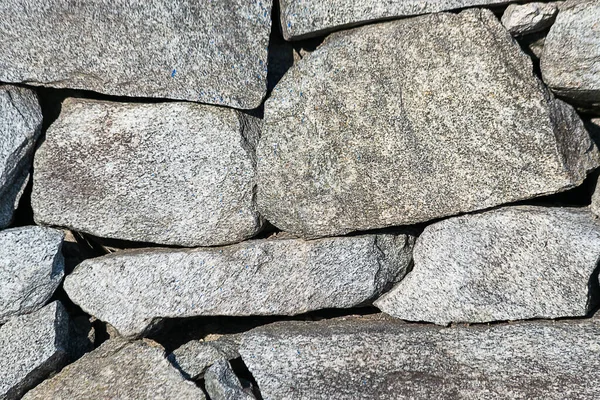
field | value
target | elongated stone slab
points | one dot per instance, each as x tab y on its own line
508	264
409	121
369	359
32	347
31	268
168	173
207	51
261	277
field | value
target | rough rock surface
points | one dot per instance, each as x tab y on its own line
169	173
194	357
365	359
260	277
507	264
223	384
523	19
118	370
20	126
413	120
571	59
207	51
32	346
31	268
307	18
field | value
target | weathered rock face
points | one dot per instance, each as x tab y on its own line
223	384
261	277
412	120
365	359
194	357
20	126
122	370
307	18
507	264
169	173
571	59
522	19
31	268
32	346
209	51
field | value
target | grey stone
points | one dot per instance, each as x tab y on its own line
32	347
507	264
307	18
168	173
523	19
118	370
358	358
409	121
570	62
194	357
260	277
207	51
20	126
31	268
223	384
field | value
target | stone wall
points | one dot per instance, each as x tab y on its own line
344	199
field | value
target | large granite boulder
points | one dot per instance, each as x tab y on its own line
207	51
119	370
412	120
570	61
361	358
20	126
260	277
168	173
307	18
32	347
508	264
31	268
523	19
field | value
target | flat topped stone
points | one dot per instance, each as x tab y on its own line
119	370
20	127
408	121
258	277
206	51
507	264
31	268
169	173
307	18
32	347
359	358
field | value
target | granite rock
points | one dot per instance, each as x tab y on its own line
507	264
570	62
118	370
195	356
31	268
259	277
223	384
523	19
359	358
168	173
32	347
20	126
412	120
207	51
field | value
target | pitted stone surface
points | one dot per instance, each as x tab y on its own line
20	126
409	121
260	277
508	264
31	268
168	173
364	359
206	51
32	347
119	370
523	19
